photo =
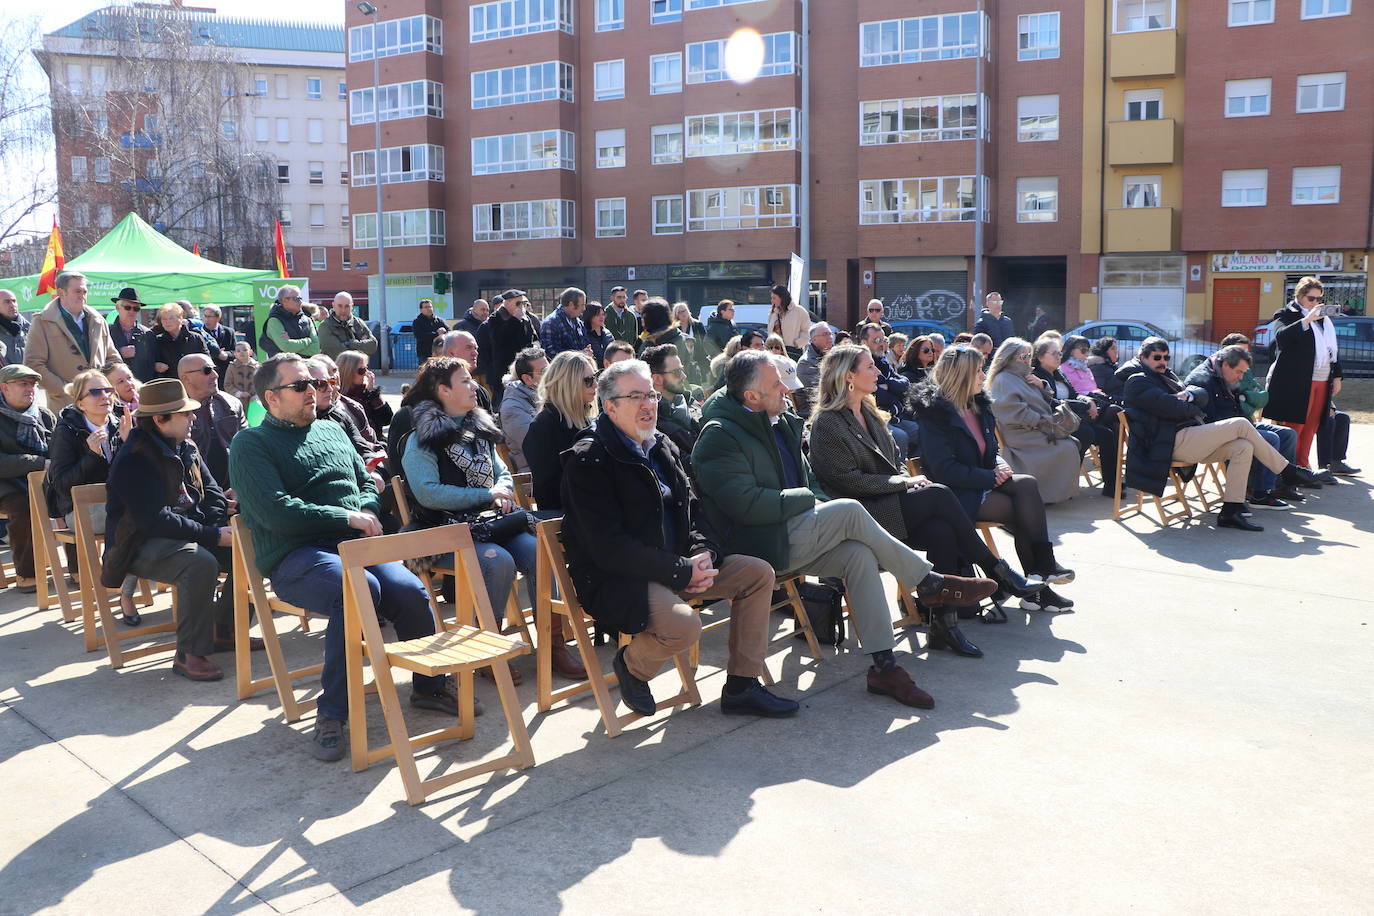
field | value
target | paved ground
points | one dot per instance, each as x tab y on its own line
1196	738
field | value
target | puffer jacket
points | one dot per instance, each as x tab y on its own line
1156	416
949	453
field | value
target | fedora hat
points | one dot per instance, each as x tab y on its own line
130	294
164	395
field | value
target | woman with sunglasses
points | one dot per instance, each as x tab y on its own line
918	359
360	385
567	404
1306	373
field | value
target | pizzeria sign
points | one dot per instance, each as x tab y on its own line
1287	261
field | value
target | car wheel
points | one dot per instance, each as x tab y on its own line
1189	364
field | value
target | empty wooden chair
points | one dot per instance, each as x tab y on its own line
459	651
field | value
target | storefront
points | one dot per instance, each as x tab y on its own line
707	283
1246	288
923	289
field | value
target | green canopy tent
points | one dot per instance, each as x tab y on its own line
135	254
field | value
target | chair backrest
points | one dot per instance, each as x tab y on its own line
38	497
398	488
524	490
553	566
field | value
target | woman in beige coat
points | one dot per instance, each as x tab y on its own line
1037	436
789	321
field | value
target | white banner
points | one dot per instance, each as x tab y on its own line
1287	261
794	281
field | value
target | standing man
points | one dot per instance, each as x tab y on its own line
342	330
621	320
25	431
220	336
137	345
720	327
563	329
873	316
68	337
426	327
218	418
992	322
14	329
1040	323
288	329
512	330
475	317
311	493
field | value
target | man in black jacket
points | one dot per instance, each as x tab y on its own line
425	326
992	322
25	431
512	330
638	555
676	418
219	418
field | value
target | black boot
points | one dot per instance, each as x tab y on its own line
1230	517
945	634
1048	567
1010	582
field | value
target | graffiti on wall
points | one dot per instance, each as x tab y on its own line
934	305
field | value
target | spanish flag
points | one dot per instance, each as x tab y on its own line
52	261
281	252
195	248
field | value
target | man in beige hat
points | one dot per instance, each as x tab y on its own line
66	338
167	520
25	430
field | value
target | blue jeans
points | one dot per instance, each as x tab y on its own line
311	577
1285	442
499	561
1333	437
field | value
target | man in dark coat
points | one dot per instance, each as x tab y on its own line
512	330
720	327
992	322
221	338
25	432
217	421
14	329
426	326
676	418
638	556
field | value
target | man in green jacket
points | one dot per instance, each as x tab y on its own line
288	329
342	330
621	320
762	499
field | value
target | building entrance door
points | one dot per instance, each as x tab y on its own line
1235	306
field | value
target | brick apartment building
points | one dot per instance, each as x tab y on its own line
547	143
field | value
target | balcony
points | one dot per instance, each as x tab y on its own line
1142	229
1143	142
1135	55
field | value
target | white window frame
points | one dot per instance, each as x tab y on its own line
610	15
78	168
550	218
1032	196
319	258
610	148
1033	28
1322	83
1037	118
314	130
1247	89
317	216
902	41
736	132
1144	98
749	207
229	129
1141	185
900	111
661	11
1248	8
400	164
666	132
100	169
104	216
1310	181
609	80
1148	23
284	214
508	18
661	211
283	173
314	87
1244	187
704	61
607	224
314	173
260	87
407	35
283	134
672	81
402	228
343	91
921	193
499	154
262	130
543	81
1326	11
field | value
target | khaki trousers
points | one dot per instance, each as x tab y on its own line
1234	441
747	582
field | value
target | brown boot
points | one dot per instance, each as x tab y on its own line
896	683
196	667
956	590
564	662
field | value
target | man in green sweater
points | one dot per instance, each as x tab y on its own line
308	493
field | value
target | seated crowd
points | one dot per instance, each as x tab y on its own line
690	465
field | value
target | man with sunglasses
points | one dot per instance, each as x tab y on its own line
14	329
288	329
873	315
512	330
217	420
310	493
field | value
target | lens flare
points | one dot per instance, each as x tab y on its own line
744	56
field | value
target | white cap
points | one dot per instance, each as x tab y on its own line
787	371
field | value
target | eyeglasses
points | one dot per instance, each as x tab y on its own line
362	371
333	381
300	384
123	308
292	298
926	350
678	372
638	397
871	311
1313	298
1159	357
97	392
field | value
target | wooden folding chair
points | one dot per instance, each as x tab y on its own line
7	564
1092	460
524	490
460	651
553	568
47	555
1179	496
95	598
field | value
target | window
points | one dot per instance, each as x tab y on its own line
400	227
919	120
229	128
344	221
421	162
925	38
1037	200
284	214
314	89
665	11
283	130
100	124
416	99
1140	191
610	148
98	80
706	59
343	132
708	4
78	168
314	130
1037	36
283	173
104	216
262	129
610	80
397	36
260	87
528	152
524	219
316	172
1037	118
347	253
1321	92
283	88
1144	104
766	207
551	79
318	259
741	132
81	214
1319	185
508	18
343	175
947	199
665	73
102	169
610	218
610	14
1247	98
1250	12
666	142
668	215
316	215
290	260
1144	15
343	91
1244	187
1318	9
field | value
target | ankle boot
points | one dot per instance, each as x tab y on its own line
1010	582
1048	567
564	662
945	634
1230	517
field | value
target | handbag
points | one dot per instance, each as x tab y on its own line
484	526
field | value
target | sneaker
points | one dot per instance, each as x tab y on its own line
1343	469
1053	602
445	699
1267	501
1327	478
327	743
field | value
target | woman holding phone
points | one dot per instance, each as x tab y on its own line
1306	373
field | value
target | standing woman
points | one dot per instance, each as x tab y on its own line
789	321
567	396
594	318
1306	373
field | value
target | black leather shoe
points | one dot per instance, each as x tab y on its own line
944	635
634	693
757	701
1328	478
1230	517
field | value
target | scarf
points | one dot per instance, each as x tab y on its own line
30	434
472	453
1078	363
1324	331
11	326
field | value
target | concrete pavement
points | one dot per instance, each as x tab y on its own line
1195	738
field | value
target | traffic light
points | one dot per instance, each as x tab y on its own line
442	282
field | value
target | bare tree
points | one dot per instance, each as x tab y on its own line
25	131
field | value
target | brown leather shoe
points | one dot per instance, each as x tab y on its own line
564	662
896	683
226	644
196	667
959	591
26	585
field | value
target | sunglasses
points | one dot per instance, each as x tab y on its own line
207	370
1159	357
129	308
300	384
1313	298
926	350
97	392
362	371
873	311
588	381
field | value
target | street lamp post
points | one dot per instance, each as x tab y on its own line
367	9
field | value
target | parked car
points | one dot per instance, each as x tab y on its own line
1187	352
915	327
1354	337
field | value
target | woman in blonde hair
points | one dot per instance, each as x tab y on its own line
174	339
567	395
854	455
959	450
1037	432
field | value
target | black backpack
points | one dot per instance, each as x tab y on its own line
824	605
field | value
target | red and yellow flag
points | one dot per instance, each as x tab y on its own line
195	248
281	252
52	261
